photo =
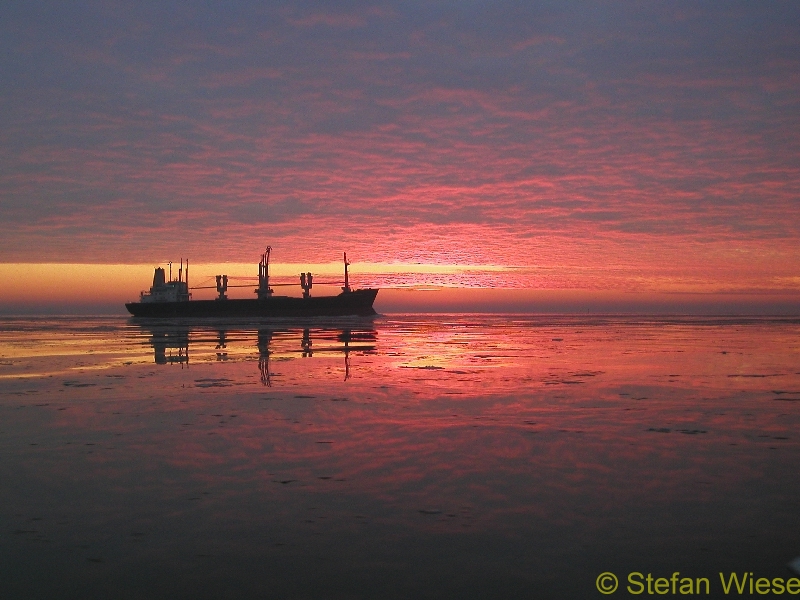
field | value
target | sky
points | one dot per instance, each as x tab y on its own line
637	149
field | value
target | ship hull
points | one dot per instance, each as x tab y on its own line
356	302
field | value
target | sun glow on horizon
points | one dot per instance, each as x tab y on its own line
404	287
44	282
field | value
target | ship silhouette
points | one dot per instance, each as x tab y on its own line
173	298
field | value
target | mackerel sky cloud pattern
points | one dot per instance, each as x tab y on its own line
591	145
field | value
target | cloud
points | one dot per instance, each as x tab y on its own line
640	136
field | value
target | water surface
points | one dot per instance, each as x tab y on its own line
459	456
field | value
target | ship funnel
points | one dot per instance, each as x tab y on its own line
159	277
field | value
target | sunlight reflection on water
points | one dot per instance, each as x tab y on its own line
401	456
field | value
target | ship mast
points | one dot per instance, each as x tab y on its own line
346	287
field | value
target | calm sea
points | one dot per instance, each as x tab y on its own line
406	456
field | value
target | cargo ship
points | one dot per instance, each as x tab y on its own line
172	298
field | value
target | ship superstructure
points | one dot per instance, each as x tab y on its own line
174	290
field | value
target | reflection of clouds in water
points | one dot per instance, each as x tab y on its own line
483	438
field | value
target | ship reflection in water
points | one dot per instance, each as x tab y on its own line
171	343
164	342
